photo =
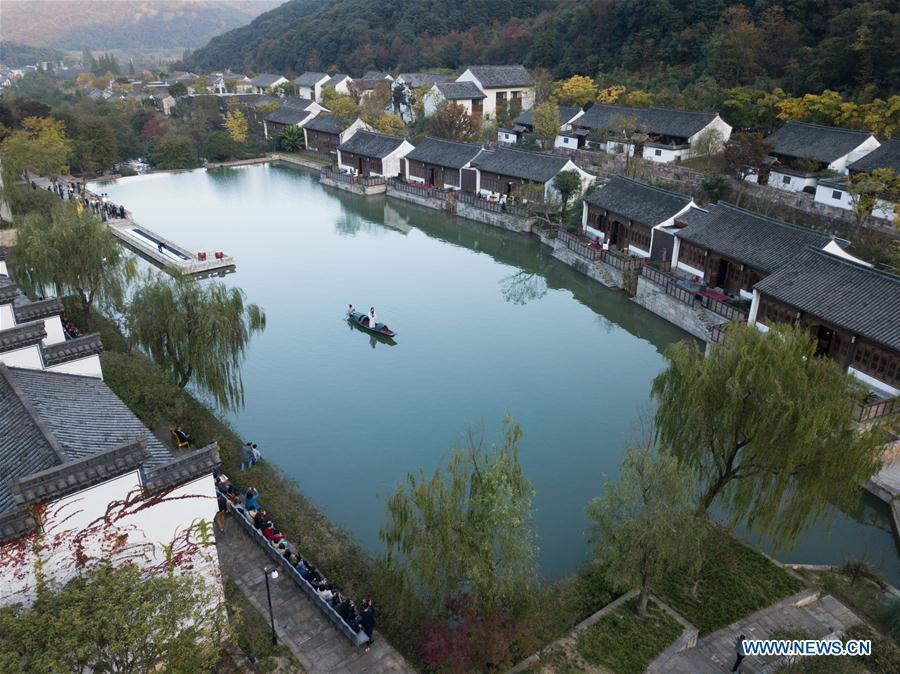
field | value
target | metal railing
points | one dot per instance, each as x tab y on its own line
350	179
418	190
728	311
356	638
716	334
493	206
877	409
669	282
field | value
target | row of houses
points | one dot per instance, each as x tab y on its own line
756	268
81	478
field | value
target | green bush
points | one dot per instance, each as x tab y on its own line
146	388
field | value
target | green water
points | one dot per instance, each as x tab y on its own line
488	324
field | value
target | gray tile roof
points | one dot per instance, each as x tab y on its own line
501	77
885	156
858	299
812	141
416	80
21	336
335	80
287	115
638	201
534	166
8	289
566	113
460	91
692	215
376	75
32	311
327	124
447	153
310	79
72	349
265	80
2	252
183	469
369	144
297	103
763	243
656	121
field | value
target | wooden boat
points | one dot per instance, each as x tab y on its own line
362	320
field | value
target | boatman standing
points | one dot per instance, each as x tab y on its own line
372	318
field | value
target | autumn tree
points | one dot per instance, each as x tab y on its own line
199	331
546	123
766	427
40	146
643	524
578	90
451	121
745	154
71	253
341	105
116	620
236	125
867	189
390	124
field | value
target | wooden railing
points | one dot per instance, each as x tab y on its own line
366	181
728	311
579	245
669	284
418	190
877	409
493	206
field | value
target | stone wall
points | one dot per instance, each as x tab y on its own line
599	271
356	188
513	223
694	320
428	202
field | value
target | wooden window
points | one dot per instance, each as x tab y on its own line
877	362
771	312
640	237
692	255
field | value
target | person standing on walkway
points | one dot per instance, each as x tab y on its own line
247	456
739	651
366	619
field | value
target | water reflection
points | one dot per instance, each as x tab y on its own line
523	287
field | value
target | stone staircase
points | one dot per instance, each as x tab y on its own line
604	276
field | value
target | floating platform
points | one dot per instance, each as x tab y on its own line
166	253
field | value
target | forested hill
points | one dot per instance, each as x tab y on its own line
124	24
801	45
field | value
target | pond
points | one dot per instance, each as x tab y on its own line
488	324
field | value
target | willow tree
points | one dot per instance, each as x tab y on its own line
71	253
643	524
197	330
467	529
767	428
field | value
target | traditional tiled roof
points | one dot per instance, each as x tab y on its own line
460	91
32	311
691	215
441	152
376	75
65	431
8	289
21	336
369	144
2	252
310	79
287	115
534	166
858	299
336	80
638	201
186	467
566	113
327	124
72	349
813	141
265	80
763	243
298	103
656	121
501	77
416	80
887	155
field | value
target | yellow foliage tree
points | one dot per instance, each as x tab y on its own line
578	90
39	146
611	94
639	99
343	106
236	125
390	124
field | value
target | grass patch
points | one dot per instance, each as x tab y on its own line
253	633
625	643
735	581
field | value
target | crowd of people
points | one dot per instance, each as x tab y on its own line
69	328
358	617
69	190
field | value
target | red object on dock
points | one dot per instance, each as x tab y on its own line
201	256
219	254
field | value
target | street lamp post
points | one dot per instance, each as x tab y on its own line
274	574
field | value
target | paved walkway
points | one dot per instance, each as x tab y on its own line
820	617
299	624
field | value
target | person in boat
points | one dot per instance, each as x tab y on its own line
372	318
350	310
